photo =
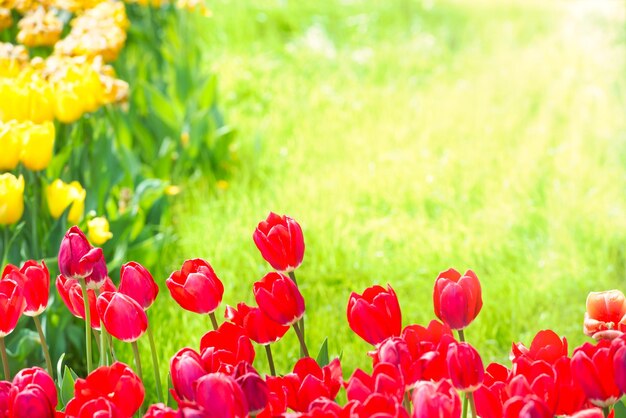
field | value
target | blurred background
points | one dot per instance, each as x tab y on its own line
411	136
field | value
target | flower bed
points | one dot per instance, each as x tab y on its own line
417	370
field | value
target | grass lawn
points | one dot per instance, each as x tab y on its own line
408	137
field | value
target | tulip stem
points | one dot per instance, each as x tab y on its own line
155	365
5	360
103	347
44	345
214	320
461	335
138	365
292	276
470	396
5	245
298	330
270	359
83	287
606	410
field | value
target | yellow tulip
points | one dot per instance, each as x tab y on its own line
68	106
10	145
60	195
38	144
11	198
99	230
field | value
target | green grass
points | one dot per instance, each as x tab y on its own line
408	137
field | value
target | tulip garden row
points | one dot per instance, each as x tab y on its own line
83	145
417	371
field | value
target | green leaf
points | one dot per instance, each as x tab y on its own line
620	410
59	369
322	355
67	385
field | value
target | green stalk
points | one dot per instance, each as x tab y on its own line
292	276
303	347
138	366
83	287
5	245
214	320
270	359
104	349
44	345
5	360
155	365
33	221
465	399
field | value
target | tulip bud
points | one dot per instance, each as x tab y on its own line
280	240
255	390
122	317
606	315
219	392
435	400
61	195
465	367
228	345
185	369
137	282
98	230
457	299
78	259
195	287
38	377
375	315
38	146
30	402
12	198
279	298
258	327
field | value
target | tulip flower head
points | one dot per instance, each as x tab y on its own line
435	400
36	284
12	302
465	367
11	146
258	326
280	241
457	298
38	144
137	282
195	287
279	298
11	198
72	295
122	316
375	315
186	368
61	195
593	368
98	230
606	315
79	260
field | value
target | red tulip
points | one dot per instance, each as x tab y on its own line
376	405
38	377
309	382
137	282
395	351
99	407
255	390
5	393
528	406
72	295
186	368
436	400
375	315
122	316
36	285
592	367
221	396
30	401
571	397
457	298
226	346
280	240
279	298
606	315
386	379
546	346
619	366
78	259
116	383
465	367
159	410
195	287
258	327
12	302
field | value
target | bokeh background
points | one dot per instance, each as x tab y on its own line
407	137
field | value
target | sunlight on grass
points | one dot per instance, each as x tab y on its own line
487	137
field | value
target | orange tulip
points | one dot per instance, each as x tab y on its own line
606	315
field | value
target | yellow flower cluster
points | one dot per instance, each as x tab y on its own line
56	87
39	28
28	142
100	31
